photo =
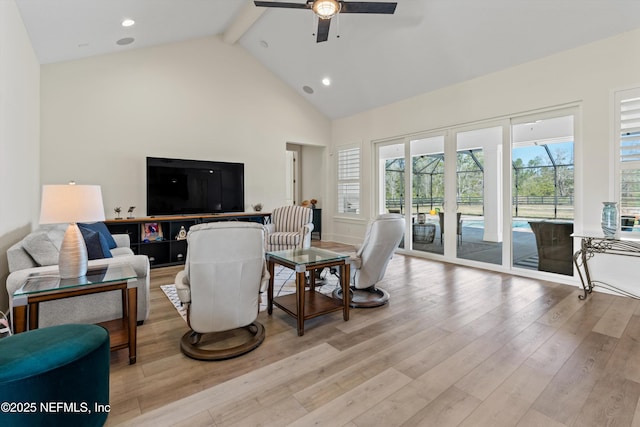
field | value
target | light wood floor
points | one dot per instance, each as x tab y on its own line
454	346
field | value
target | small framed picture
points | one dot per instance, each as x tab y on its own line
151	231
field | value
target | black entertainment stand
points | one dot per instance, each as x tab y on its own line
168	250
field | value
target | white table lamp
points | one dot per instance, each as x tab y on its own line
71	203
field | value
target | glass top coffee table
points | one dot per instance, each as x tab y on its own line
305	304
49	286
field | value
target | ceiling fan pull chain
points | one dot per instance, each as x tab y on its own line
338	26
313	24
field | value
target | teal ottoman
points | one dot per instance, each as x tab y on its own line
55	376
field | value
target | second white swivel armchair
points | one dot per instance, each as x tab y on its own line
369	263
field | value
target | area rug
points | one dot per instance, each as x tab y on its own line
172	294
284	284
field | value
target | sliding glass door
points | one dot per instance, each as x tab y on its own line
501	193
479	195
542	210
416	164
427	193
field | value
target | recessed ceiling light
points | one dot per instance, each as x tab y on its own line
326	81
128	22
307	89
125	41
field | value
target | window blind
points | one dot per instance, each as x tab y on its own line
349	180
628	132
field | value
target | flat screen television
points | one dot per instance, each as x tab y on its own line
186	187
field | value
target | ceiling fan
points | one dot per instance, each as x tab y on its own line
327	9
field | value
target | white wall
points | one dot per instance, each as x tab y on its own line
199	99
313	173
19	132
587	76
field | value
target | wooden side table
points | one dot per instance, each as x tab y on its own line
307	304
47	287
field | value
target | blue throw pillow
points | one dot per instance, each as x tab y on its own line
99	227
97	247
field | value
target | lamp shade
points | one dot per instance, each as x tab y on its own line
71	203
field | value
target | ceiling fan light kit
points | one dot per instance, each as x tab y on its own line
327	9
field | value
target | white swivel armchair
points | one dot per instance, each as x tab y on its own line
369	263
225	272
290	228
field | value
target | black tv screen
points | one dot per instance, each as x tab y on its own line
185	187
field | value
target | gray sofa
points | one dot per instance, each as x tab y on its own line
38	253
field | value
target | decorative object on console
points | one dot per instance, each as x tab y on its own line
257	207
71	203
151	231
609	219
117	210
305	203
313	202
131	208
182	234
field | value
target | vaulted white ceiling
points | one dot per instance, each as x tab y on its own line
377	60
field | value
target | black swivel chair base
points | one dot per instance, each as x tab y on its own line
365	298
194	347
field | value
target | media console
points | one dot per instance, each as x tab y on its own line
159	237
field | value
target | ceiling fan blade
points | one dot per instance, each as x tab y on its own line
282	5
323	30
368	7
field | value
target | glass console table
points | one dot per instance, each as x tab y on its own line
307	304
594	243
49	286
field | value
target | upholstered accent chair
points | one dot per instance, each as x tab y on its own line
555	246
290	228
369	263
224	273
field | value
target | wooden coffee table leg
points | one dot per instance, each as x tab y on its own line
271	266
132	317
346	295
19	319
33	315
300	285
